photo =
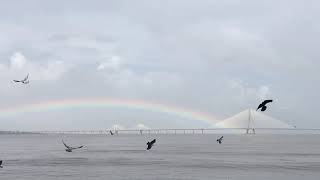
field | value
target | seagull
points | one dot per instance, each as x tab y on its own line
111	133
263	105
24	81
1	164
150	144
220	140
69	149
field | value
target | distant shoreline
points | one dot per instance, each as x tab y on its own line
177	131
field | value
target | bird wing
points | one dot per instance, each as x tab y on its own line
78	147
66	145
26	78
260	106
267	101
153	141
0	163
16	81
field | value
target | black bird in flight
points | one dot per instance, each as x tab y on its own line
24	81
263	105
111	133
69	149
150	144
220	140
1	164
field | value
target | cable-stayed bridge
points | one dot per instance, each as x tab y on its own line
252	120
173	131
248	121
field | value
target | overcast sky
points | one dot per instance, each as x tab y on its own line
219	57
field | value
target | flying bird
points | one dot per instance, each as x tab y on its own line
150	144
69	149
111	133
24	81
1	164
263	105
220	140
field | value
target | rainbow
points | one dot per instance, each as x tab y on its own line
109	103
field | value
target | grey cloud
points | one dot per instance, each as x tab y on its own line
187	53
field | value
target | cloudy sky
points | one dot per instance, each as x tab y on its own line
219	57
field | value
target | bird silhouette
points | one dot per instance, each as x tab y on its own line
1	164
150	144
263	105
69	149
111	133
24	81
220	140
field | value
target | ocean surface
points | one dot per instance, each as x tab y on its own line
240	157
